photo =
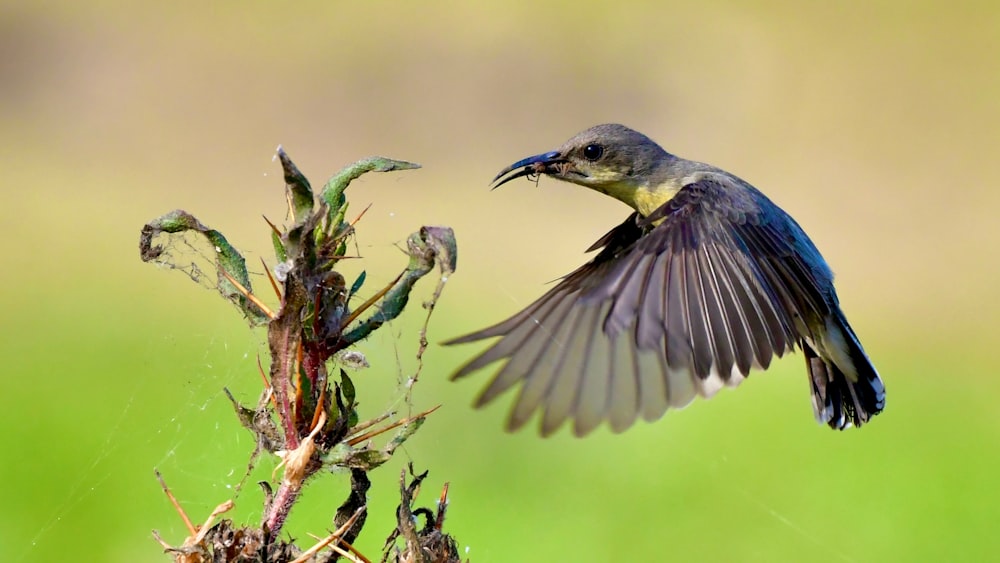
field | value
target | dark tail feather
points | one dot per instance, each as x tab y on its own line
838	401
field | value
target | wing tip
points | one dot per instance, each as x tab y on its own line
471	337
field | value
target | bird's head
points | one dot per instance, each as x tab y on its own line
610	158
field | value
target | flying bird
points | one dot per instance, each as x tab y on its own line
705	281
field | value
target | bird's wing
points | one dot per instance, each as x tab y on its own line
676	304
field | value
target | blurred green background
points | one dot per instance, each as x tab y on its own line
876	124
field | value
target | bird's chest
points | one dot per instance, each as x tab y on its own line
649	200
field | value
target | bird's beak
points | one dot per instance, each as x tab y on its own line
548	163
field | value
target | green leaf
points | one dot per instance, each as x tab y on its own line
426	247
333	193
357	283
298	188
368	457
279	247
227	259
404	433
347	389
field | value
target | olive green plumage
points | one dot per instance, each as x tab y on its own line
707	280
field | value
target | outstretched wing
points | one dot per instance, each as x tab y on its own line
715	282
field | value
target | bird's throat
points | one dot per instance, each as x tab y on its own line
644	199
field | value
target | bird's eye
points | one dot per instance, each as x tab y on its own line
593	152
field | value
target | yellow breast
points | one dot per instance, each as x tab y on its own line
643	197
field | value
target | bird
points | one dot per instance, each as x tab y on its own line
704	282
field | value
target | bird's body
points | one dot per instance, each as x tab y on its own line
707	280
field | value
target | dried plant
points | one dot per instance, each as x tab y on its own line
307	415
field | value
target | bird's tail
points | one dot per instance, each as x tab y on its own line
846	388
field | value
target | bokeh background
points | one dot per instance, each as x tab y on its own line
876	124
